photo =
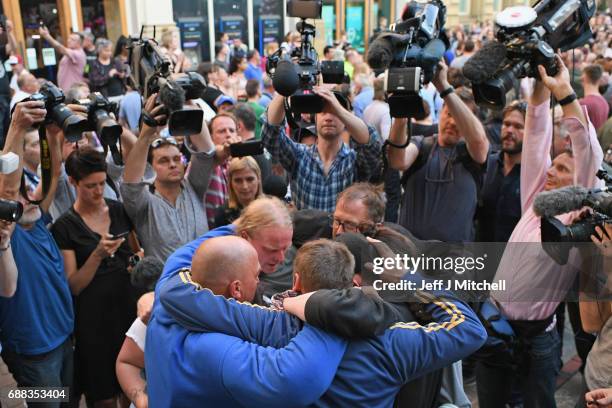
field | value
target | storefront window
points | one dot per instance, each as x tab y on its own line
231	18
355	24
192	19
329	19
268	19
94	17
33	12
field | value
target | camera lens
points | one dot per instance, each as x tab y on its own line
107	128
10	210
72	124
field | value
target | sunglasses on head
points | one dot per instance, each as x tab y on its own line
163	141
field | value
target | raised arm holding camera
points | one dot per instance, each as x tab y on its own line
442	172
536	282
72	64
321	171
170	212
37	322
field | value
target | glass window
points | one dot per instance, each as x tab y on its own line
268	19
33	12
231	18
192	19
329	19
355	24
464	6
94	17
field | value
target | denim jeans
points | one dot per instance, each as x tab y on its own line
533	370
52	369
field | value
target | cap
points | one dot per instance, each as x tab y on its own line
224	99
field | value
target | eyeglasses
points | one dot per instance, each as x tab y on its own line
160	141
348	226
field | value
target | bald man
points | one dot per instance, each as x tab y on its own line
187	369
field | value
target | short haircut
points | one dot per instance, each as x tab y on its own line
593	73
252	87
457	79
102	43
239	164
379	89
328	48
468	98
262	213
251	53
468	46
220	115
88	35
145	274
204	68
516	106
75	92
370	196
83	162
245	114
267	82
324	264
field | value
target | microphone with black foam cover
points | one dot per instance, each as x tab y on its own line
560	201
380	52
485	62
285	79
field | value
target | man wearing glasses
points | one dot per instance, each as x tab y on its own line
170	212
444	172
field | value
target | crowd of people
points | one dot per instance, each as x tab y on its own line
182	276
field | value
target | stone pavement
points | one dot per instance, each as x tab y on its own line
569	381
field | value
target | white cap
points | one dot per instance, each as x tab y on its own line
13	60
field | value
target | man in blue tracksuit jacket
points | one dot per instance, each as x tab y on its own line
371	371
212	369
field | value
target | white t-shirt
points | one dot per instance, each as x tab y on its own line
138	333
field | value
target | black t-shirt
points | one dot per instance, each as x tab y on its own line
210	96
71	232
5	88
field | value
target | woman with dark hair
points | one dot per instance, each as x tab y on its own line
107	75
97	239
237	79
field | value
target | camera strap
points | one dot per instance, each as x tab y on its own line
45	168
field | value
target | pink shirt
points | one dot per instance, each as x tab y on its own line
71	68
598	109
535	284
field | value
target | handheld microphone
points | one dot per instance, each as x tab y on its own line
285	79
485	62
560	201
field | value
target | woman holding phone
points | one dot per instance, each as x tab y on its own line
96	239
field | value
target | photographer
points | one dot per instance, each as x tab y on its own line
536	283
444	173
37	322
170	212
319	172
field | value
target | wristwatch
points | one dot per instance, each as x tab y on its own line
447	92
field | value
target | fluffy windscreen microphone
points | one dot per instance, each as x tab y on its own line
380	53
560	201
485	62
285	79
172	96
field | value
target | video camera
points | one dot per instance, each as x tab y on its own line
297	79
526	37
71	124
152	72
555	232
409	55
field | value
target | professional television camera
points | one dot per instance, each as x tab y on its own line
409	55
297	80
527	37
555	202
152	71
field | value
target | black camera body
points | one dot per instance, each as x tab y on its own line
531	35
10	210
298	83
71	124
409	55
152	70
99	120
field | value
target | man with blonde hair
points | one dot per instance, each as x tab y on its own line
265	224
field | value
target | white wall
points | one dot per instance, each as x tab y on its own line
148	12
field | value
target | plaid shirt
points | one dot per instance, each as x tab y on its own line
310	186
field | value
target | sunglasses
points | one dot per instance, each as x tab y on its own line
161	141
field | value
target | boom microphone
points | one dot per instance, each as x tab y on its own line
485	62
560	201
285	79
380	53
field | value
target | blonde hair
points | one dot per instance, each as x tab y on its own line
239	164
167	36
262	213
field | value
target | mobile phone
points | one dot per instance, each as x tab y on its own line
249	148
120	235
41	23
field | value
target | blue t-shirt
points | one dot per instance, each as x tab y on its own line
39	317
254	72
